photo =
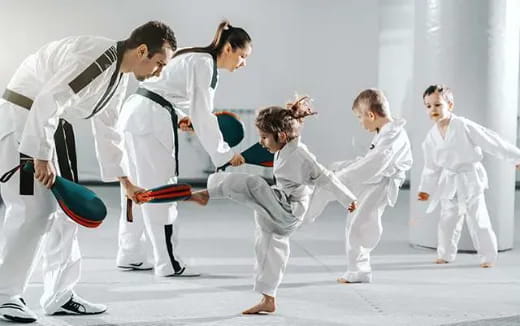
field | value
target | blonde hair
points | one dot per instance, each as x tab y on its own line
375	100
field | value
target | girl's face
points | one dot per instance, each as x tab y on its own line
268	142
234	59
437	107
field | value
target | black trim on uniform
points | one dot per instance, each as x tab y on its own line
95	69
18	99
114	80
175	120
65	149
26	177
168	232
214	77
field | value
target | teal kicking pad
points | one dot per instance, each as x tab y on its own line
256	155
79	203
230	126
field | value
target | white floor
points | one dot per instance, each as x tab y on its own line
408	288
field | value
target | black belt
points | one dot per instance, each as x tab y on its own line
168	106
65	148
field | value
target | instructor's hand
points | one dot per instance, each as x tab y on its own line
185	124
44	172
237	160
353	205
423	196
131	190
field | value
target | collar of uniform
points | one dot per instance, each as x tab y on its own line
389	128
289	148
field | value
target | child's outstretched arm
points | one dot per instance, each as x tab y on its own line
326	180
492	143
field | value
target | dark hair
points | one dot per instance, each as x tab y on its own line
235	36
275	119
153	34
443	90
376	101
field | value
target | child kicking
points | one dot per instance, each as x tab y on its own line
279	209
454	176
374	178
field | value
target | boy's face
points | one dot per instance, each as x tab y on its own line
366	117
268	142
437	107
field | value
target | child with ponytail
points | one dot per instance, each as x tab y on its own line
279	209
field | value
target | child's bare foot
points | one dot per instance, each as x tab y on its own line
199	197
343	280
267	305
487	265
441	261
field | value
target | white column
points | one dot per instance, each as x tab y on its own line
473	47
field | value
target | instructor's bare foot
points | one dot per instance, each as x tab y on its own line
199	197
487	265
440	261
267	305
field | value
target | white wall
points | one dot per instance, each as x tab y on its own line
328	49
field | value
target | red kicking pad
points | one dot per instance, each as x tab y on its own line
163	194
256	155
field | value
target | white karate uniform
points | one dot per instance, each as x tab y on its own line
280	209
375	179
454	176
188	82
54	79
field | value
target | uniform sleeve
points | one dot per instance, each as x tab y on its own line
108	138
431	172
37	139
324	179
491	142
372	165
203	120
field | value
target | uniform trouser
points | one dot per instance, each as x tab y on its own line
150	165
33	226
274	223
363	232
479	226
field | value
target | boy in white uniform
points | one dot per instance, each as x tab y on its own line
374	178
73	78
454	176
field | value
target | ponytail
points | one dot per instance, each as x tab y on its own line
235	36
275	119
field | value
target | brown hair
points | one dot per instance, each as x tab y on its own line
275	119
376	101
443	90
235	36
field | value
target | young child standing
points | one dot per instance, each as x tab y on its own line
279	209
454	176
374	178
